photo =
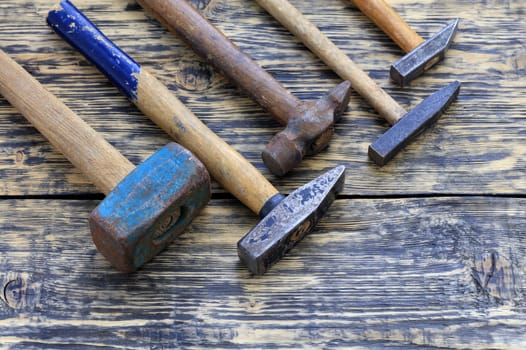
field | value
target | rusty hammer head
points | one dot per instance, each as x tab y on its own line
423	56
412	124
286	220
309	125
150	207
308	130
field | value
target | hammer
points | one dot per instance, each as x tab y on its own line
421	54
309	124
406	126
145	207
285	220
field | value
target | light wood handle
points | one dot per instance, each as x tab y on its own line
66	131
225	164
385	17
336	59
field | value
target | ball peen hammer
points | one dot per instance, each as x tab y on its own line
285	220
421	54
146	206
406	125
309	124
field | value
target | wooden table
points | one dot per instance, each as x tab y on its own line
426	252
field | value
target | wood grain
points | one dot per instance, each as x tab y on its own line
405	259
338	60
448	279
226	165
392	24
476	147
73	137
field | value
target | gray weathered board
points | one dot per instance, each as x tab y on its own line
428	251
377	272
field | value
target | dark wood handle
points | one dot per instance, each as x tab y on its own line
385	17
182	18
225	164
83	146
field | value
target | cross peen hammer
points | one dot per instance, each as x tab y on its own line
421	54
285	220
146	207
406	125
309	124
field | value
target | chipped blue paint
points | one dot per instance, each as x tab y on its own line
150	207
82	34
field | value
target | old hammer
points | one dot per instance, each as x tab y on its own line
145	207
406	126
421	54
285	220
309	124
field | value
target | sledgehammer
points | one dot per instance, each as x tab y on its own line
145	207
421	54
285	220
406	126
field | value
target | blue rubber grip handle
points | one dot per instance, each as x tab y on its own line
82	34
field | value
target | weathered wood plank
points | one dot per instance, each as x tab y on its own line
477	147
399	273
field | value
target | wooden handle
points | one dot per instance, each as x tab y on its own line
225	164
66	131
336	59
385	17
183	19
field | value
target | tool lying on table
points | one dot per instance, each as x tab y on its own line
285	220
421	54
309	124
406	126
145	207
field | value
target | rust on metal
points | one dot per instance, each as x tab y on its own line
290	221
309	123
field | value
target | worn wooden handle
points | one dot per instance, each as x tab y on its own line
385	17
336	59
225	164
180	17
66	131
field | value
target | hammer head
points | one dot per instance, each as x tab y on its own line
424	56
289	221
308	131
412	124
150	207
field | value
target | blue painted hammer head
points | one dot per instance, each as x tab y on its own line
150	207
